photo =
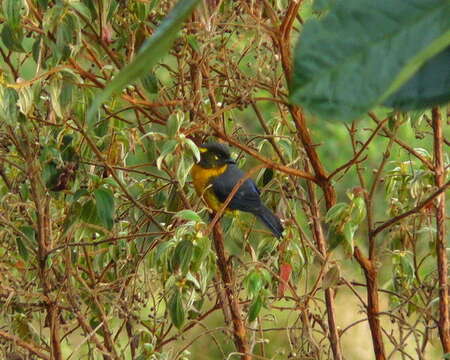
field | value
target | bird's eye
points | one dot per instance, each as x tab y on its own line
216	157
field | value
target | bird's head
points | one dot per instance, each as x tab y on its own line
214	155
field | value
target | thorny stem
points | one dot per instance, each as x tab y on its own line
373	306
441	242
282	41
226	273
329	292
369	263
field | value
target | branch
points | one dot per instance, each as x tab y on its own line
32	348
358	154
226	273
409	149
414	210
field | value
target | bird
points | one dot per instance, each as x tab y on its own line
215	176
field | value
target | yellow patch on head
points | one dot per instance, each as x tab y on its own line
202	150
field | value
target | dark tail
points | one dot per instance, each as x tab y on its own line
270	220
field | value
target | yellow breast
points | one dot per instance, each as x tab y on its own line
202	179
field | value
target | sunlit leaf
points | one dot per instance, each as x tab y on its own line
189	215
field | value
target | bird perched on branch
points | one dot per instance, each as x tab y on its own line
214	178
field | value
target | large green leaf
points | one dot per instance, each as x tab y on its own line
429	87
152	50
363	51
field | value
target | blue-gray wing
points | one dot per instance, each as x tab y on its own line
247	196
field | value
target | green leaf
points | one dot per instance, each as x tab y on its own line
12	38
335	212
23	251
194	149
65	34
189	215
151	51
168	147
141	11
356	57
183	171
30	233
50	174
89	212
254	282
192	41
349	232
104	199
66	94
42	4
267	176
429	87
55	92
323	5
335	238
176	310
150	83
81	8
79	193
8	101
11	11
172	125
359	212
182	256
72	217
255	308
201	250
142	356
25	101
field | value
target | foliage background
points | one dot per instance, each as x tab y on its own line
105	250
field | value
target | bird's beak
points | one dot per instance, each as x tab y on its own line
231	161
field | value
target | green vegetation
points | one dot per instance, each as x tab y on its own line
338	109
